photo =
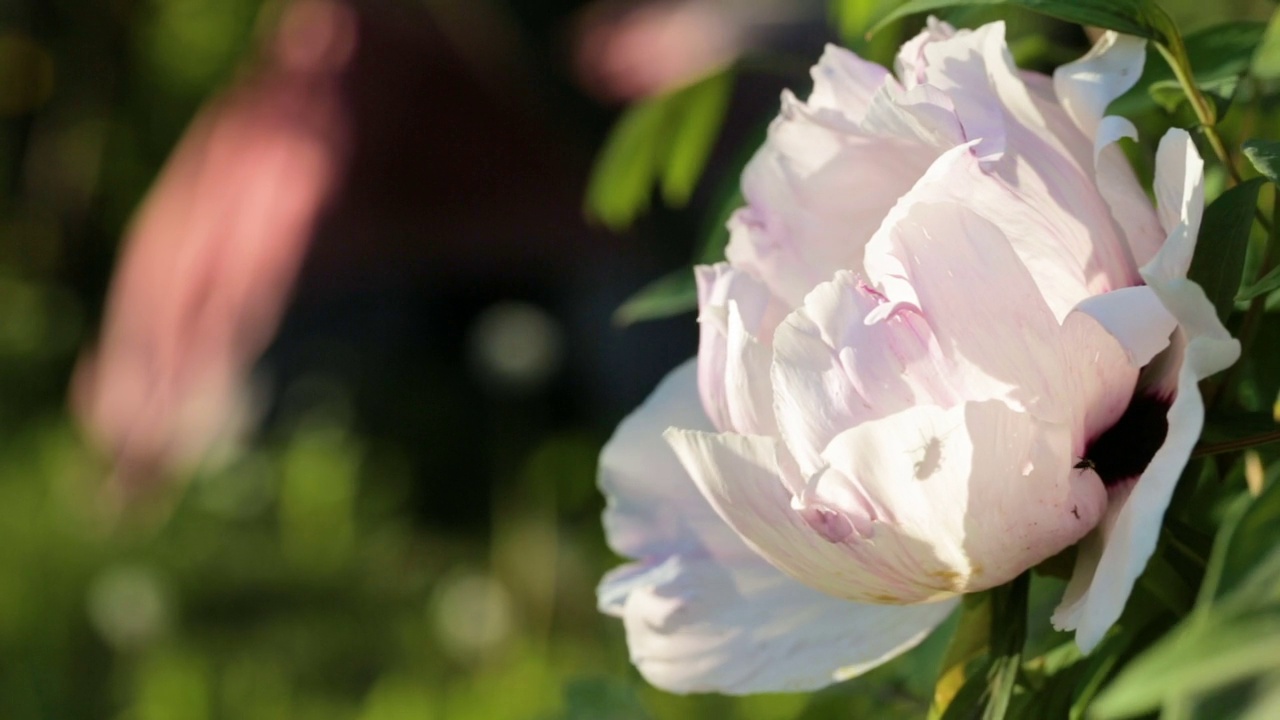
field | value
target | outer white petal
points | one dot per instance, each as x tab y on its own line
701	610
1179	188
737	316
1136	317
694	625
648	514
1085	88
1109	565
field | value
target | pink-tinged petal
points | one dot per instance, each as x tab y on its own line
1050	165
737	317
833	370
845	83
810	209
695	625
894	518
959	272
653	509
1118	185
964	66
910	63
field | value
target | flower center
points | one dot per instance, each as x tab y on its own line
1125	449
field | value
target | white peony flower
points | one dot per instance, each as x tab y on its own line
952	339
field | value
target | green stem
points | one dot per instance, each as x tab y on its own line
1206	449
1175	53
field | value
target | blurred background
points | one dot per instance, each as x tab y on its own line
308	348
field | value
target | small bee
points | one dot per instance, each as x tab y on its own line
1085	464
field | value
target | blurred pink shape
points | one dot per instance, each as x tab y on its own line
657	46
213	253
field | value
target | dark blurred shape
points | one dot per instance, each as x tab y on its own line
214	251
26	74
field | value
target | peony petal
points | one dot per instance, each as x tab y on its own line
963	66
986	491
653	509
833	370
1134	316
893	518
1179	190
736	319
910	63
704	613
1102	375
1000	342
810	209
845	83
1085	88
694	625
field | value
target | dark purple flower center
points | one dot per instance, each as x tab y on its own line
1125	449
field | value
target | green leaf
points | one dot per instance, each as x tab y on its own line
1195	658
1266	59
1223	241
671	294
619	187
602	699
854	18
967	644
1265	156
664	140
701	110
1248	540
1132	17
1233	632
1008	634
1263	285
